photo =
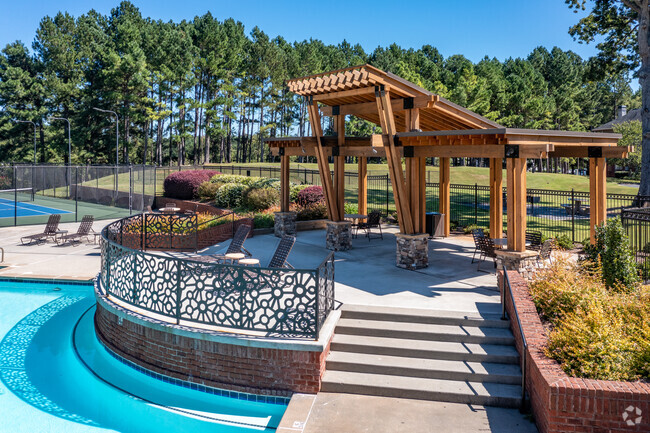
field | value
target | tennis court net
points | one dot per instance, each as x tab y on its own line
16	195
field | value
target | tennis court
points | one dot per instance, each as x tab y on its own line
22	206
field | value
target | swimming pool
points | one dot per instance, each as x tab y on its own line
55	376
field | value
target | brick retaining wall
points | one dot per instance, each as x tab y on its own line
258	370
566	404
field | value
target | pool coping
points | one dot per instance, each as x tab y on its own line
47	280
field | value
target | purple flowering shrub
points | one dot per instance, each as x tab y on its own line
184	185
310	196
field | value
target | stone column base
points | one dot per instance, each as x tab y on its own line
285	224
339	235
412	251
521	261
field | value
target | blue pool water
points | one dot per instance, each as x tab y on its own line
56	377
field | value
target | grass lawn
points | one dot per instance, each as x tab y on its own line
480	176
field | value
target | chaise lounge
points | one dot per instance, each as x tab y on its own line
49	232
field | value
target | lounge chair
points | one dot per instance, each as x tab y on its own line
49	232
373	222
84	231
236	244
279	259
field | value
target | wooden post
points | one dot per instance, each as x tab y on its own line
339	166
516	178
415	177
395	171
323	165
443	191
597	194
496	198
284	183
363	185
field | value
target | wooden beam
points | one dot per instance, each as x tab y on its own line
597	194
444	202
285	186
364	108
345	94
496	198
583	152
516	179
362	179
323	165
394	162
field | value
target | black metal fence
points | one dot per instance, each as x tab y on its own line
273	301
636	222
552	212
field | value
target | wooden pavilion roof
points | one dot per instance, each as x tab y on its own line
352	90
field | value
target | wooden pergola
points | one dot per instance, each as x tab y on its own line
417	124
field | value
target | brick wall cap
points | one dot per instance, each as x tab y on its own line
516	254
338	223
414	236
297	344
289	213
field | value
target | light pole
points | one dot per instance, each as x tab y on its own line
69	152
117	142
29	121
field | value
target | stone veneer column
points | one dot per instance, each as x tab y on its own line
523	262
412	251
285	224
339	235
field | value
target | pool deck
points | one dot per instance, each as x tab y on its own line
365	275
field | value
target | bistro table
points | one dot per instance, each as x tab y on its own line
170	210
355	217
503	242
234	257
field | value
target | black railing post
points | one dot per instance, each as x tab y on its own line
15	196
387	188
573	216
179	291
76	194
317	307
476	203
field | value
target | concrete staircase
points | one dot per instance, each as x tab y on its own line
424	354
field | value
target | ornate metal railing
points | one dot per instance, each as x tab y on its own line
277	302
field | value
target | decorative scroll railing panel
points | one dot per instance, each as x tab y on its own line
275	301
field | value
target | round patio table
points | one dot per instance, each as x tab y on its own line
234	257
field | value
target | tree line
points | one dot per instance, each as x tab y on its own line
205	90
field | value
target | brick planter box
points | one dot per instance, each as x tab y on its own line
211	358
566	404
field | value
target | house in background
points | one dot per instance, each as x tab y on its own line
622	116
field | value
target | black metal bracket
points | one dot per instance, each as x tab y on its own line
409	151
595	152
335	151
336	110
379	90
281	151
511	151
396	141
408	103
310	99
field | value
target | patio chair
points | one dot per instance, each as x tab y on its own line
49	232
279	259
84	231
477	234
534	239
373	222
545	252
236	244
487	250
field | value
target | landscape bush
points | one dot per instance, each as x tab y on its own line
310	196
257	199
232	178
184	185
293	192
207	191
263	220
594	332
230	195
314	211
563	241
613	251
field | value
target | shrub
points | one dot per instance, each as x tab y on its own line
230	195
350	208
295	189
207	191
468	229
310	196
184	185
316	211
612	249
263	220
265	182
260	199
231	178
564	241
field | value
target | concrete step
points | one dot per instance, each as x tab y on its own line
425	349
414	315
425	331
488	394
424	368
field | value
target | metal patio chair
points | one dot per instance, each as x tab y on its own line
279	259
534	239
236	244
373	222
84	231
477	234
49	232
487	250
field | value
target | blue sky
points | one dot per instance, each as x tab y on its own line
497	28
